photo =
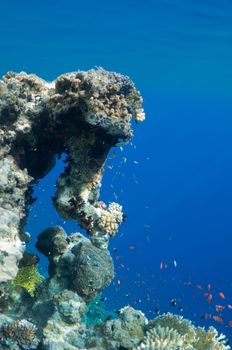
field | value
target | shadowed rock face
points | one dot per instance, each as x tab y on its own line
83	114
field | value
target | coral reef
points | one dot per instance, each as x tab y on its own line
82	114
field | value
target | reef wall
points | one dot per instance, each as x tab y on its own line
83	114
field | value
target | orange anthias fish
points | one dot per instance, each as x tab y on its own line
209	287
210	297
218	319
222	295
219	308
230	323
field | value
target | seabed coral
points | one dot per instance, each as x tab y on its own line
83	114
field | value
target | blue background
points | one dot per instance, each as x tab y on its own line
174	179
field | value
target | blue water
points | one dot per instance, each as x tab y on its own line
175	186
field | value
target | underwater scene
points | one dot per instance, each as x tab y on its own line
115	175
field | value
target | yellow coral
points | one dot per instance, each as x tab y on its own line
28	278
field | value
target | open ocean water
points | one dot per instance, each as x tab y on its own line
174	178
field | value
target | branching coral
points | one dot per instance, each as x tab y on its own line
207	340
182	326
171	332
110	219
19	333
162	338
28	278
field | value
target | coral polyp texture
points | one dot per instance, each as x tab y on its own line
84	115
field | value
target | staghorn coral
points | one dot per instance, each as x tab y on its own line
21	333
28	278
182	326
175	332
210	339
162	338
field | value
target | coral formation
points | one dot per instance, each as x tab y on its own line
19	334
170	332
162	338
88	269
82	114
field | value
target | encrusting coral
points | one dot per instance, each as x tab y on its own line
84	115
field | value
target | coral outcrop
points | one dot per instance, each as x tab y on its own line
75	263
84	115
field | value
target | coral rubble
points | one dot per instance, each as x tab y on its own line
82	114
